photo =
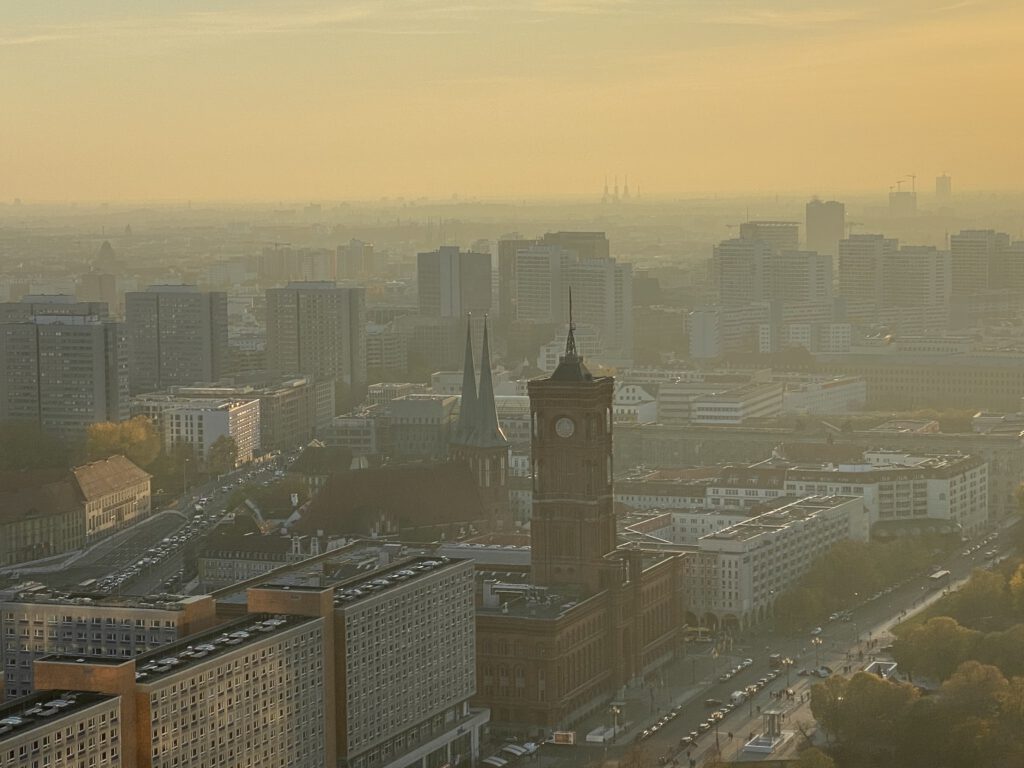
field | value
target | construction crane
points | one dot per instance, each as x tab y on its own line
913	182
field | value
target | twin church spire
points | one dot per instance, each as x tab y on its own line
478	425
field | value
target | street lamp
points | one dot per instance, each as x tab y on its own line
788	663
184	481
816	642
616	711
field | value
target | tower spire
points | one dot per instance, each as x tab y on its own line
488	430
468	408
570	339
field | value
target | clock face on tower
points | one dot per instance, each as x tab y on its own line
565	427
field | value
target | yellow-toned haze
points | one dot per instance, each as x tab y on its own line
300	100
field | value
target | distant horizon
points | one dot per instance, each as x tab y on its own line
244	100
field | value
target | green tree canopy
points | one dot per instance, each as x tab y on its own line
935	648
222	455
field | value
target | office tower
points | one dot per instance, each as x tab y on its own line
779	235
825	224
586	245
541	292
861	259
318	329
63	365
916	276
452	282
573	523
91	624
978	260
508	247
602	293
177	335
800	277
479	441
741	270
356	260
943	188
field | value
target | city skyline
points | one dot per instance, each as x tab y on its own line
250	102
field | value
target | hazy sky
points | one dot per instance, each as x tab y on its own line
304	99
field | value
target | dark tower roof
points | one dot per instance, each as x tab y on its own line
570	365
468	407
488	433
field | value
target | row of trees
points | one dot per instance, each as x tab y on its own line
976	719
983	621
849	572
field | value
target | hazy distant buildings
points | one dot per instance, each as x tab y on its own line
318	329
452	282
943	188
63	364
825	224
356	260
177	335
861	262
602	291
99	287
902	203
978	260
778	235
741	270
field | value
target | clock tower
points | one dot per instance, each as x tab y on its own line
573	521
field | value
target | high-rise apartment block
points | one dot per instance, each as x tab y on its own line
38	623
943	188
373	672
747	271
825	225
318	329
177	335
978	260
63	365
779	235
861	268
452	282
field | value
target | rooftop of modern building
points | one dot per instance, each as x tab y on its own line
510	593
39	594
777	519
195	649
41	709
355	590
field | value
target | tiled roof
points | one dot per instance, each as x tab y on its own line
29	494
414	496
99	478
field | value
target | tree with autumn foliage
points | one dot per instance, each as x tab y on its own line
135	439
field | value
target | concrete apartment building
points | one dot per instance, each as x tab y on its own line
421	425
177	335
825	225
978	260
39	622
372	672
318	329
63	365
